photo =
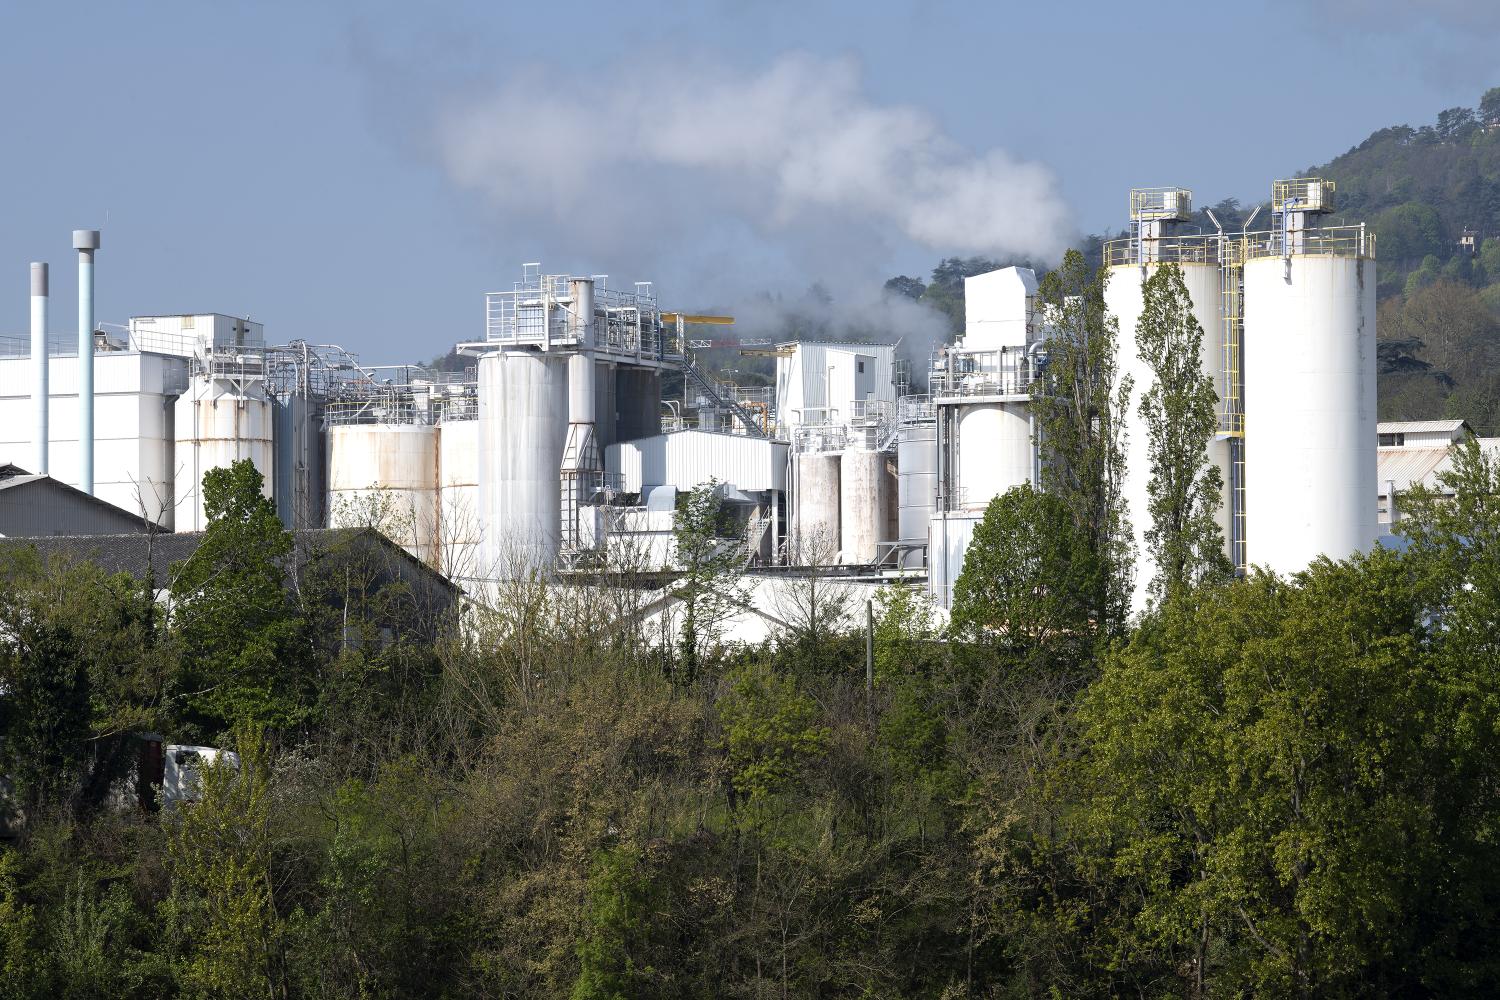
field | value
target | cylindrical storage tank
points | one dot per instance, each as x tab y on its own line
218	423
523	414
301	469
385	476
864	499
916	463
815	529
994	451
459	530
1310	465
606	406
638	403
1124	296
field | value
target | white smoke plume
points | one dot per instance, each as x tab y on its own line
706	154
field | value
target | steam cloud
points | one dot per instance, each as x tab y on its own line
699	152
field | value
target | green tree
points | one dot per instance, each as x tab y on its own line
1270	801
1026	590
244	642
1489	257
44	713
222	910
1078	404
709	591
1408	233
617	917
770	731
1179	413
1489	107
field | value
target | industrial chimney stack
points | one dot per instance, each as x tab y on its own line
86	241
39	364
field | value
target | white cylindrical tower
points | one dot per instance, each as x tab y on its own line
994	451
86	241
1124	296
864	505
916	462
217	423
523	413
1310	463
458	501
386	476
816	534
40	369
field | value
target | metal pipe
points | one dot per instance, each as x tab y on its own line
40	383
86	241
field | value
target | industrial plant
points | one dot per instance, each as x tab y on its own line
556	447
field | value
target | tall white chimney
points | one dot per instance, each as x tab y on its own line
40	389
86	241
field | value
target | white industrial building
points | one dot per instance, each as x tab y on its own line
1416	453
982	432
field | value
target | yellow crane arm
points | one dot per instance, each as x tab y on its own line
705	320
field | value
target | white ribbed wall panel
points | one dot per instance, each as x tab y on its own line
686	459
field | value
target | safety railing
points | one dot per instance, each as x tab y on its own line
915	409
1330	241
1193	248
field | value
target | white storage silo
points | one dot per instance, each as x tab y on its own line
1124	297
385	476
864	505
916	462
459	528
816	512
523	415
1310	462
994	451
216	423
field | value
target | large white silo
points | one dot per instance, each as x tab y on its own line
219	421
523	415
1198	258
386	476
916	460
865	504
1310	462
460	532
816	529
994	451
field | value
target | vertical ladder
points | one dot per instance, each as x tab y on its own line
1232	254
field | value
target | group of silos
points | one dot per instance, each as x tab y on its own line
844	506
411	470
511	478
1288	320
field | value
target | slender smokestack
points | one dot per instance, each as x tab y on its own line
86	241
41	391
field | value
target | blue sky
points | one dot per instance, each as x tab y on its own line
361	173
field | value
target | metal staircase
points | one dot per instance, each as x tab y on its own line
711	389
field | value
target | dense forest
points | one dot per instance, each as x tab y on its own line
1263	786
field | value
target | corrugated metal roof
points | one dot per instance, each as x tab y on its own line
1420	465
1418	426
1407	466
